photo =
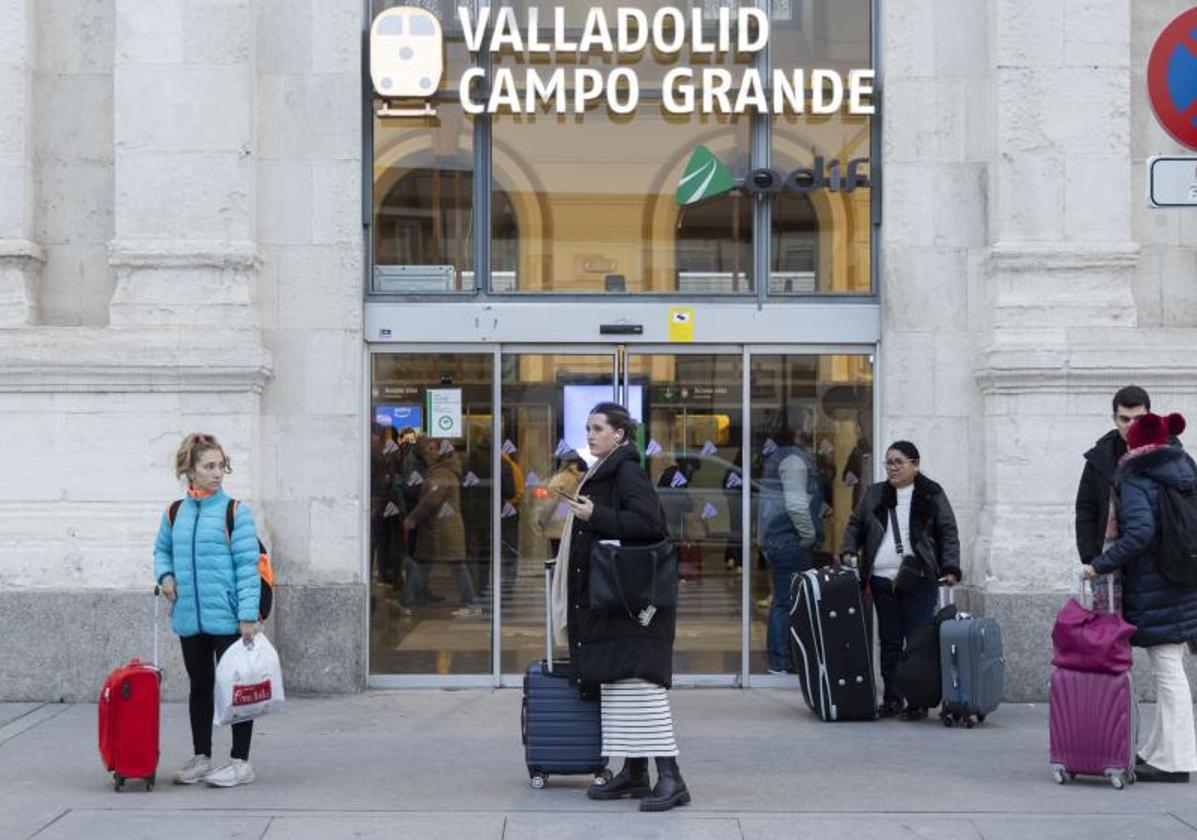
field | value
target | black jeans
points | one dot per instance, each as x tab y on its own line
200	654
898	615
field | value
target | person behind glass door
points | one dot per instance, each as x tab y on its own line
790	525
211	579
1164	613
552	510
631	664
436	519
930	542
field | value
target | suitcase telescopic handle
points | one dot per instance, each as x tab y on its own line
157	593
1109	578
947	596
548	613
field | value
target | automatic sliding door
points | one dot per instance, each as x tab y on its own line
430	513
544	398
692	434
810	460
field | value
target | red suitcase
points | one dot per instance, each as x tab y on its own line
128	719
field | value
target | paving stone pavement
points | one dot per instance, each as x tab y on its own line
447	764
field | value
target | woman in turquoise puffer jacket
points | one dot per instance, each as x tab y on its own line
211	578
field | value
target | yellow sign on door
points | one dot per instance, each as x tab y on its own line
681	323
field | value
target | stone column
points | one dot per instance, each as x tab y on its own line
184	249
1060	336
21	257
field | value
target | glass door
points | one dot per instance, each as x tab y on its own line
545	398
466	444
692	428
430	514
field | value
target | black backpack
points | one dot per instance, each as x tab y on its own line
1176	559
265	567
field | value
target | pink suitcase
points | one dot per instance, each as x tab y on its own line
1093	722
1094	717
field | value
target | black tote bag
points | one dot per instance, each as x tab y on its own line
631	578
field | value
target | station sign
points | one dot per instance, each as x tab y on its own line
407	63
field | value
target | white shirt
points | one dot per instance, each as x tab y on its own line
887	561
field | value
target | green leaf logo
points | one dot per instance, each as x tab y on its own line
705	176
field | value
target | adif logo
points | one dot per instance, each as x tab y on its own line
705	176
406	59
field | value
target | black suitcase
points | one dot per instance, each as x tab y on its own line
562	733
832	649
918	672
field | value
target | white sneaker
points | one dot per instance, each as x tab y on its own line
467	612
236	772
194	770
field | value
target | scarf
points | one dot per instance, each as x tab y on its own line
559	597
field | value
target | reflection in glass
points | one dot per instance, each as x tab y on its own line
545	401
430	518
692	425
593	208
821	238
811	459
423	203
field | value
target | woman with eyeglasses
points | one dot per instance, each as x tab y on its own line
903	536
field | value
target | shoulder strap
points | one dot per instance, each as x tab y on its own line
173	511
230	517
893	526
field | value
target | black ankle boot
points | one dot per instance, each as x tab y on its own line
670	790
631	781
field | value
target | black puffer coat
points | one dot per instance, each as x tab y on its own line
607	646
1162	612
933	534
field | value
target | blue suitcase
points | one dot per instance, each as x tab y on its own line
972	668
562	733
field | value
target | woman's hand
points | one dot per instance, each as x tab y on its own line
169	589
248	630
582	507
949	579
1089	572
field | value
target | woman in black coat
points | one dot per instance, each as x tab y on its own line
628	659
929	543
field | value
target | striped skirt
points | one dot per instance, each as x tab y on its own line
637	722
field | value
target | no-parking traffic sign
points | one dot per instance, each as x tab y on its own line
1172	79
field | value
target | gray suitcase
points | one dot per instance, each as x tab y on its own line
972	668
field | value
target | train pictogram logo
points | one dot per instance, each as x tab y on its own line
406	60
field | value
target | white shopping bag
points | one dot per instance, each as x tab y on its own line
249	682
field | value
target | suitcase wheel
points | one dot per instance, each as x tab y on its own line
118	782
1117	778
539	780
1059	776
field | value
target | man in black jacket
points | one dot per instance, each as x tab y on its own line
1097	479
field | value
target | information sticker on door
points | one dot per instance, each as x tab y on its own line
681	323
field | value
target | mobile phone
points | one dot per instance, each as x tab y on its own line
561	494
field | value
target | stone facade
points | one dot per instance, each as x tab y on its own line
1024	280
184	252
181	248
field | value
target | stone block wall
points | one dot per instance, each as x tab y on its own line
182	252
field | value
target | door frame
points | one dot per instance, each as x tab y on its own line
618	351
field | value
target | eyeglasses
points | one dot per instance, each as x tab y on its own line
896	465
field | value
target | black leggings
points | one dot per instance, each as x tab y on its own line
200	654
